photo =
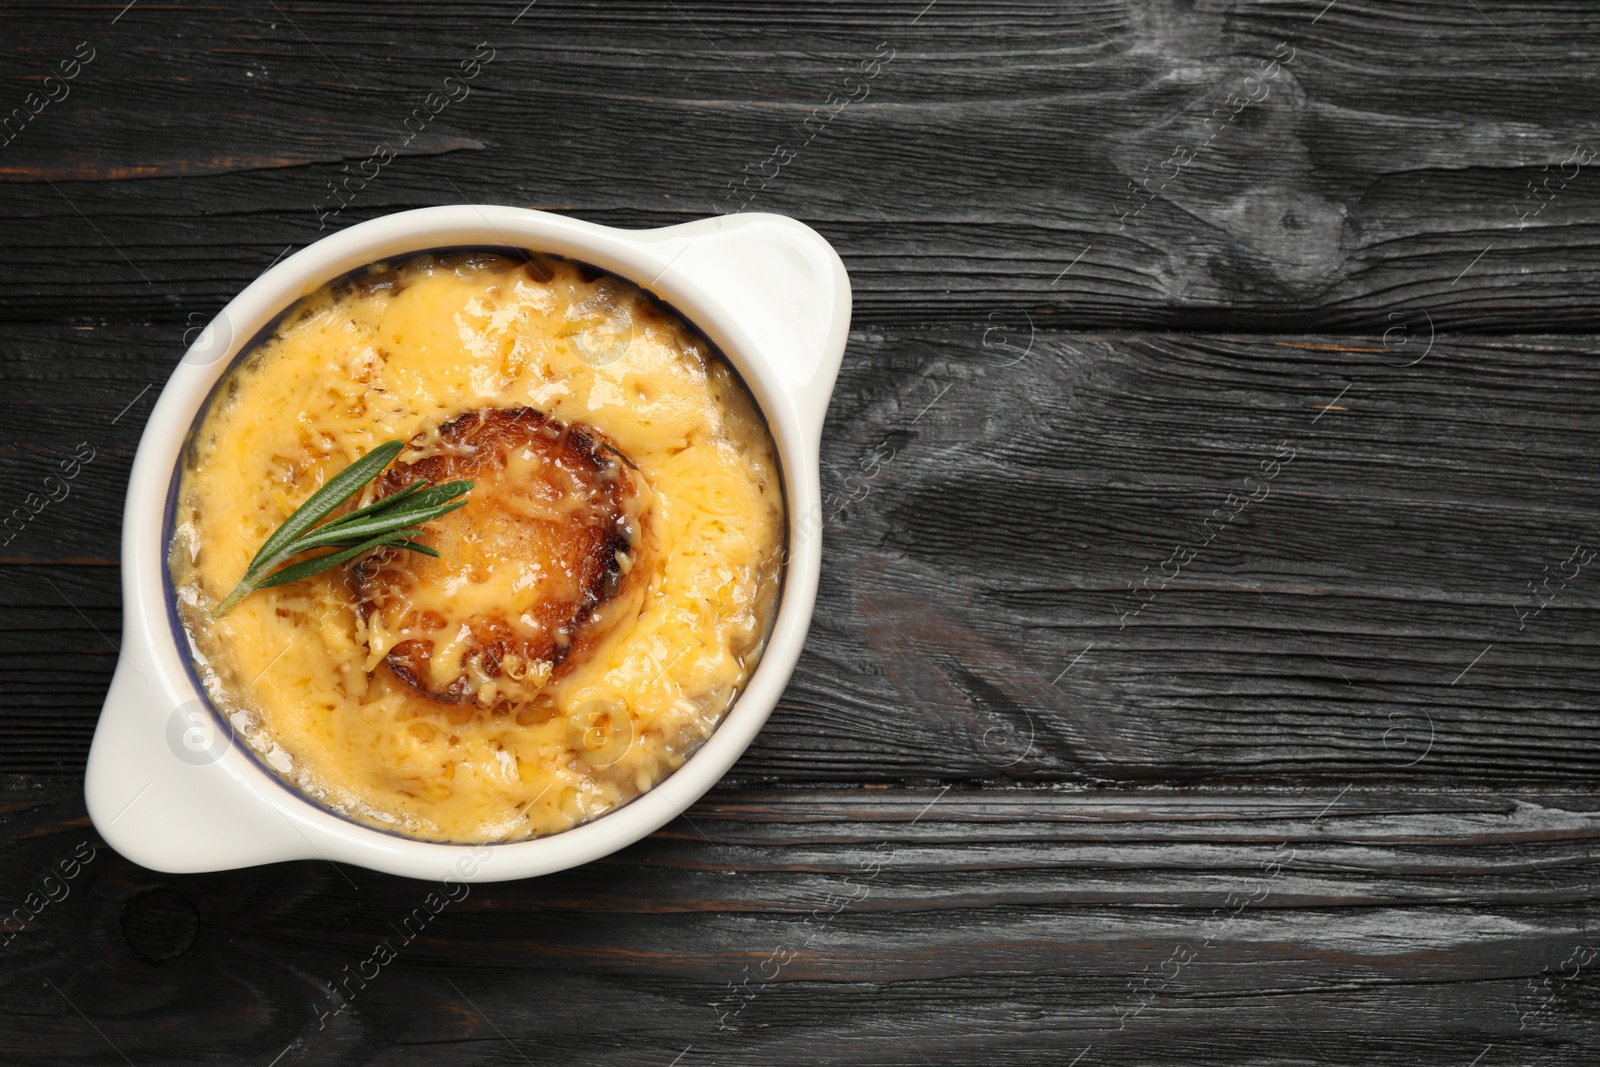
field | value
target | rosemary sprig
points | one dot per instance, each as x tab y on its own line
384	524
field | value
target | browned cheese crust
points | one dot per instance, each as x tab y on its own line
555	513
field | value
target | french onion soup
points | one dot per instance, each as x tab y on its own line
539	606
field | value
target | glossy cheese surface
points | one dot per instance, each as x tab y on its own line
397	354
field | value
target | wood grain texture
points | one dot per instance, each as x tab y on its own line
1099	753
999	144
1397	927
991	509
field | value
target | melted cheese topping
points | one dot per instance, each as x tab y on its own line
297	671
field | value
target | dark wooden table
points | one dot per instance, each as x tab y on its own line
1204	670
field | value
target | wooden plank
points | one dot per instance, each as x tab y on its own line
1327	797
990	510
778	925
1401	158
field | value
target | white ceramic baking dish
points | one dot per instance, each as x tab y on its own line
168	788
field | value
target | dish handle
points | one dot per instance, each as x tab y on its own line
157	786
782	284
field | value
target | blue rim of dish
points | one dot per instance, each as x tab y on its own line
180	635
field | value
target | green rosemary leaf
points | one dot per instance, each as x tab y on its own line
395	510
413	546
383	523
379	505
339	488
436	495
318	564
371	526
